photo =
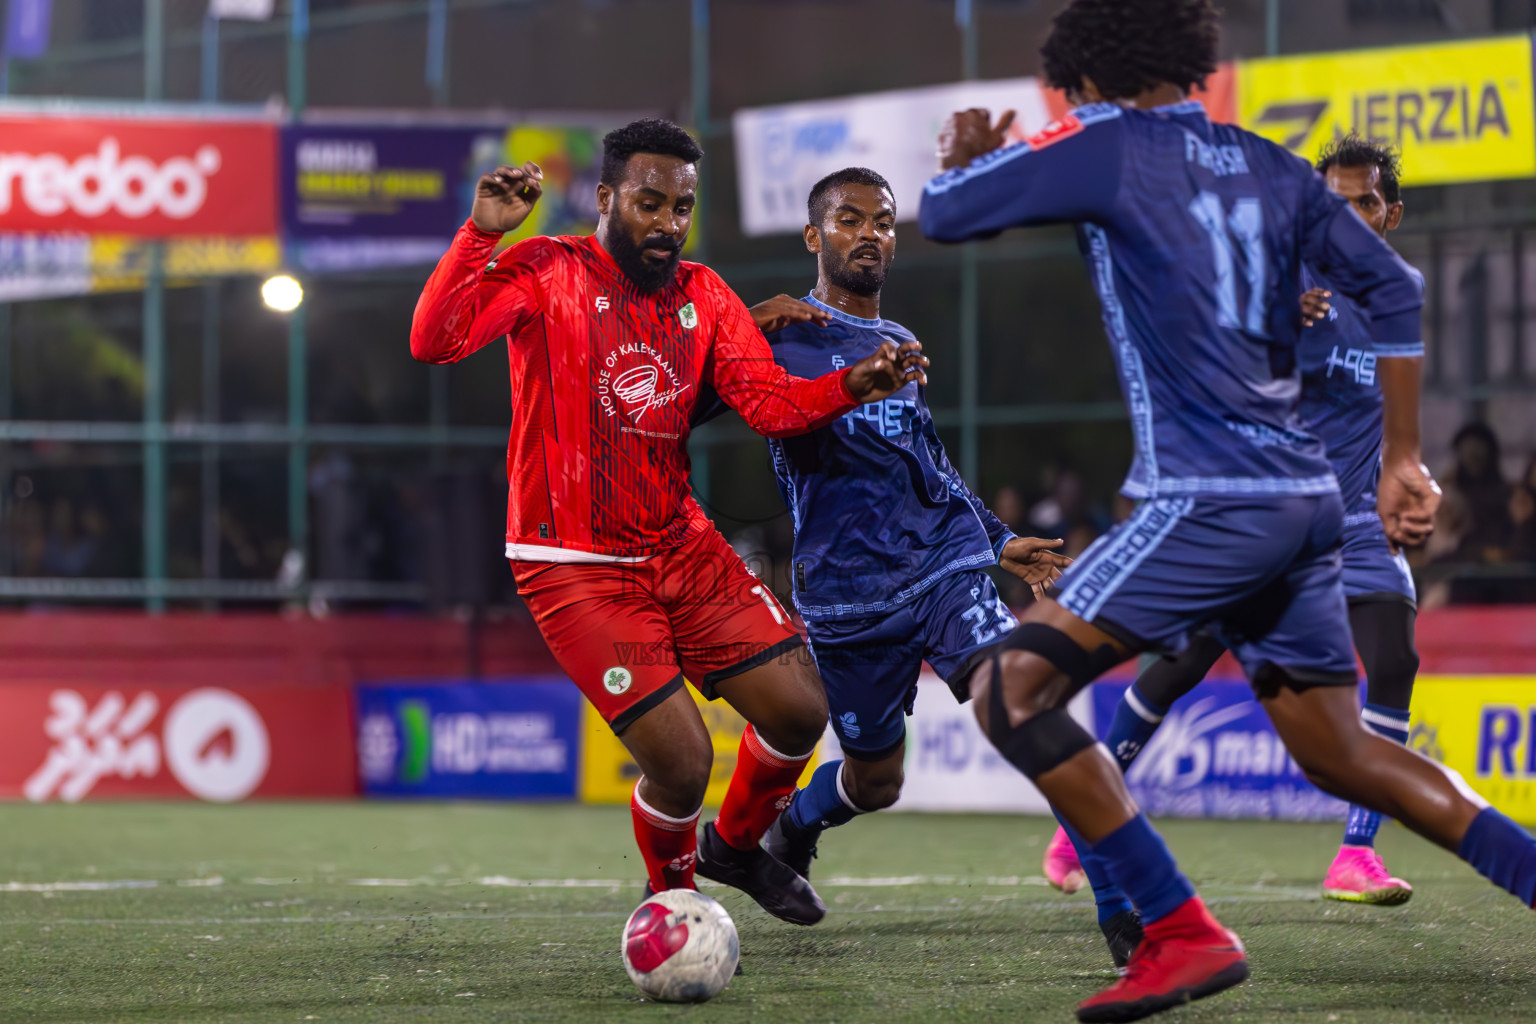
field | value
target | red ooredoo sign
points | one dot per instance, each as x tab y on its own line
210	743
132	176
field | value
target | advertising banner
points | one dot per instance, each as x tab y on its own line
782	151
1217	756
208	743
951	766
608	774
1485	728
501	739
145	177
360	196
1458	111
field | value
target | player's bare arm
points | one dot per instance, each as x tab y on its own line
967	134
1409	496
1314	306
1032	560
505	197
887	371
779	312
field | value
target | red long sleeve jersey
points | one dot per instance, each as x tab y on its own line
605	379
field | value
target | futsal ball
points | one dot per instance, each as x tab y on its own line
680	946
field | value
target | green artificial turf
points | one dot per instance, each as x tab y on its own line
384	912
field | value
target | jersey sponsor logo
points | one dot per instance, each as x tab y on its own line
890	417
638	389
1357	363
838	362
617	680
602	303
688	317
1054	132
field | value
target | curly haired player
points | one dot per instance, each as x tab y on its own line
1195	235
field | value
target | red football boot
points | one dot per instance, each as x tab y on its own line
1186	955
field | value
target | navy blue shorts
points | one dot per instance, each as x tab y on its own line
1371	571
870	666
1264	571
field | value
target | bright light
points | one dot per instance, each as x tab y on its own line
282	293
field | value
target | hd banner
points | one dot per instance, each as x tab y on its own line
500	740
1458	111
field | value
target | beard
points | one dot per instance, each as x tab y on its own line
851	277
647	275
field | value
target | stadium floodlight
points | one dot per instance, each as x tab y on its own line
282	293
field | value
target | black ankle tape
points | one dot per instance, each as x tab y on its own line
1078	665
1041	743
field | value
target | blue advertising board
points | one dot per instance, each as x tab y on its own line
1216	755
504	739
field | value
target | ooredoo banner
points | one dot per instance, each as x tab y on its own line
208	743
145	177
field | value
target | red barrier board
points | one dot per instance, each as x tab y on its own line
150	178
71	743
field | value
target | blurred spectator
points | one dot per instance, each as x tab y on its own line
67	551
1064	512
1482	491
1008	505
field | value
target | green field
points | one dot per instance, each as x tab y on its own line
424	912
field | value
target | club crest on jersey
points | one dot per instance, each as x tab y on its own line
688	317
617	679
1054	132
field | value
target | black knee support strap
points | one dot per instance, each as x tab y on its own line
1078	665
1043	742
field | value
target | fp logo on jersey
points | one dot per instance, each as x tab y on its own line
688	317
601	303
616	680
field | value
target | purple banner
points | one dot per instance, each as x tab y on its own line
359	196
26	28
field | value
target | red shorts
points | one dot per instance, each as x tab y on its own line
628	632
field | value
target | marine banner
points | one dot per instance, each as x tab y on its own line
1458	111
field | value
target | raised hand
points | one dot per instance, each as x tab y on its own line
779	312
1314	306
505	197
1407	501
967	134
1032	560
887	371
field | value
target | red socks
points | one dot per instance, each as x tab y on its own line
668	845
761	787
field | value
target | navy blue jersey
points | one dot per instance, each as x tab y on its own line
880	514
1340	398
1195	234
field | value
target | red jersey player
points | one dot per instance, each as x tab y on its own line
611	340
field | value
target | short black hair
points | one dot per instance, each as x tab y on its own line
816	205
647	135
1353	151
1129	46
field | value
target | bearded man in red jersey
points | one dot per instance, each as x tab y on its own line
614	343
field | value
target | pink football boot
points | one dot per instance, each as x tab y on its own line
1358	876
1061	866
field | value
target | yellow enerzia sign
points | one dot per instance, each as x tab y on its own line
1458	111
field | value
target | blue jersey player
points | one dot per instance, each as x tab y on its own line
1195	235
1341	403
890	544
